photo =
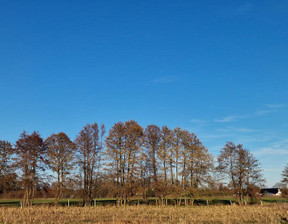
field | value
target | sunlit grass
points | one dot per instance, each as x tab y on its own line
146	214
135	201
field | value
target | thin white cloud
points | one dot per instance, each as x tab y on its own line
271	151
273	108
256	138
262	112
276	105
164	79
245	130
246	135
226	119
230	118
277	148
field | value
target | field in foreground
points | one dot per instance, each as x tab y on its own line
147	214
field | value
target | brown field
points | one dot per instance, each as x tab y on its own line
146	214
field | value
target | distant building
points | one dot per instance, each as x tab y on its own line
271	192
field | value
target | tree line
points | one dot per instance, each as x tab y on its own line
127	161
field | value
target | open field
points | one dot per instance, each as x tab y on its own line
134	201
275	213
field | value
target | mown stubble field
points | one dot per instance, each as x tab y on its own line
147	214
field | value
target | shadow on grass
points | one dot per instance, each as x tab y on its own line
13	203
132	202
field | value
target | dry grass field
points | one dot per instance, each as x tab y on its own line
146	214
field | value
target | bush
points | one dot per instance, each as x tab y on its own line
253	193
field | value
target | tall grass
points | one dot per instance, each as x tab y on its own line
147	214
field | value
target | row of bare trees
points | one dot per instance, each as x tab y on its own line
129	160
241	168
164	160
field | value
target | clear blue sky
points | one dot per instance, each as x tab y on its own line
217	68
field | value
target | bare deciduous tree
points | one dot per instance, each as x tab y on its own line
197	164
124	147
89	145
152	143
241	168
31	157
285	175
6	172
60	156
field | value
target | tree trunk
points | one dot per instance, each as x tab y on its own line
191	201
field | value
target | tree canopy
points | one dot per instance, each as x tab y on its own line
130	161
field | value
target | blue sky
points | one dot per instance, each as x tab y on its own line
217	68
